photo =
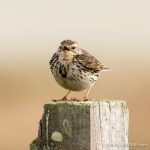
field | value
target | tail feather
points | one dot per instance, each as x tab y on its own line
107	69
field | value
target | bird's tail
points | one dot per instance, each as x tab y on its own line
107	69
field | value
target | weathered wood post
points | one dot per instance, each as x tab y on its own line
90	125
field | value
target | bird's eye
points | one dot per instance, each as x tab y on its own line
60	47
73	47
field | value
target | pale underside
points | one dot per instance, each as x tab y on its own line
73	84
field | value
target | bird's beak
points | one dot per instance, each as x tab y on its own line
66	49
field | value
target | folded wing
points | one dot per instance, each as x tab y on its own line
88	61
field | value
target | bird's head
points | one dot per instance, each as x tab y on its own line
68	49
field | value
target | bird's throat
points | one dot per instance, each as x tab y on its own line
67	57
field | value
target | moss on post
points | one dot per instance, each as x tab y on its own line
80	125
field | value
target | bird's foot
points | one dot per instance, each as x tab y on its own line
65	98
85	98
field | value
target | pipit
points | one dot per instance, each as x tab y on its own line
74	68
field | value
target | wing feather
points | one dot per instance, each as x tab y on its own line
88	61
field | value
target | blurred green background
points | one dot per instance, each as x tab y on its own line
116	32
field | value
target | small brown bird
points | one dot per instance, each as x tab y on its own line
74	68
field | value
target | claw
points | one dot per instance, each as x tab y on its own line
85	98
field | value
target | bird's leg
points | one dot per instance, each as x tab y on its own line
86	97
65	97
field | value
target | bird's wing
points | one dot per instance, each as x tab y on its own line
88	61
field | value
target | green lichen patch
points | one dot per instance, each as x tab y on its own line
57	136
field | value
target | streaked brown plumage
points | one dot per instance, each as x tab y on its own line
74	68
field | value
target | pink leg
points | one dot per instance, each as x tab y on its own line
86	97
65	97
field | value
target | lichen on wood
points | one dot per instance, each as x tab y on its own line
80	125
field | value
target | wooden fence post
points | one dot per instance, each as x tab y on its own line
90	125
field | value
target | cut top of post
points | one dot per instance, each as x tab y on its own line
85	103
